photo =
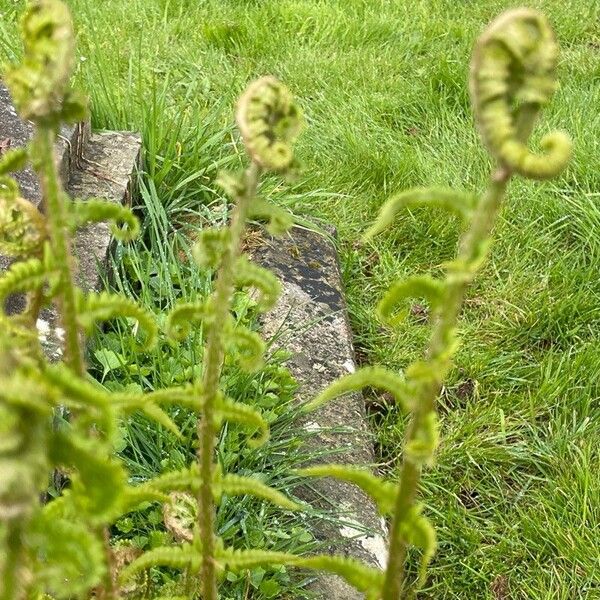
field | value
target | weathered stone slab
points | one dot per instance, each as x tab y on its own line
310	321
105	171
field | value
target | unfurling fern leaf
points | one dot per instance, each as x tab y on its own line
461	204
22	276
421	448
382	492
236	485
189	396
365	579
210	246
186	479
279	220
270	121
158	415
133	496
376	377
248	347
125	226
422	286
182	557
99	480
185	314
247	274
22	226
229	410
79	394
105	306
513	76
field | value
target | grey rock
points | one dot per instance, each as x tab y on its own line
109	162
105	171
310	321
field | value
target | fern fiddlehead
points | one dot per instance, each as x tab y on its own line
512	78
269	122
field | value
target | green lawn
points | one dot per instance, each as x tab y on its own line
515	494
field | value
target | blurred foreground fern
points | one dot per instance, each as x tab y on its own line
512	79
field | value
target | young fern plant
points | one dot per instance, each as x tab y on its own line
59	548
512	78
269	121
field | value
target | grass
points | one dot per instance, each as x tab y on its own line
516	491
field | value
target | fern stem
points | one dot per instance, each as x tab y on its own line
213	364
60	241
56	214
10	585
479	231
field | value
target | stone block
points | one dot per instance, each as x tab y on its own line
310	321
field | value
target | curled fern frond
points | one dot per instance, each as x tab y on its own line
40	84
180	320
236	485
96	489
13	160
382	492
512	79
248	346
229	410
376	377
105	306
422	286
180	516
186	479
459	203
181	557
22	226
363	578
279	220
210	246
125	226
73	557
269	121
248	274
24	276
